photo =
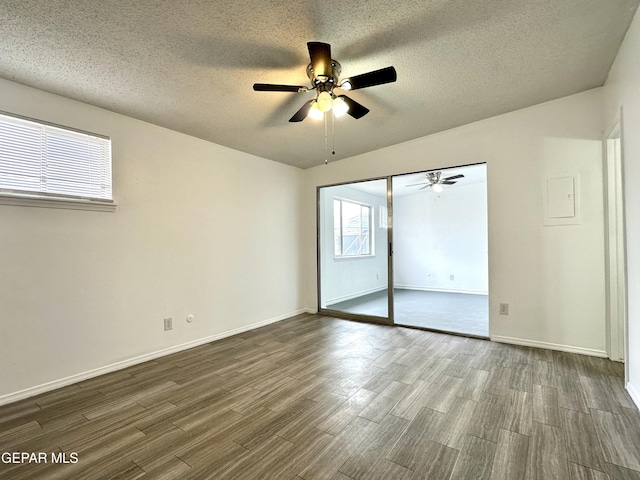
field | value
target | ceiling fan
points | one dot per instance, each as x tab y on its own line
324	73
435	181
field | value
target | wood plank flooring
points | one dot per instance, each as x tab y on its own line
314	397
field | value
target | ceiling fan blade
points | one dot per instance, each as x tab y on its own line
270	87
414	184
377	77
447	182
355	109
320	55
426	186
303	112
454	177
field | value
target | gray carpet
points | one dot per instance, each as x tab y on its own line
451	312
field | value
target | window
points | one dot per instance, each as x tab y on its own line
383	217
351	228
51	163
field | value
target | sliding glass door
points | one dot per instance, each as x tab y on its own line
354	250
435	276
440	250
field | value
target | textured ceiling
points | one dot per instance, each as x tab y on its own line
190	65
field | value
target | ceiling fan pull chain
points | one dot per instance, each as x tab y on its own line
326	142
333	133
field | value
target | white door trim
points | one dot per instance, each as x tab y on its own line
615	244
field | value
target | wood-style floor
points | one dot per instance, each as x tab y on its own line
315	397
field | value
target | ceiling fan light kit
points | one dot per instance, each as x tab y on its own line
315	112
324	74
324	101
340	107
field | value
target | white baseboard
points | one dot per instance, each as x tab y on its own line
549	346
344	298
633	393
63	382
444	290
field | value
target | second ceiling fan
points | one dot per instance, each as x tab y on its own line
435	181
324	73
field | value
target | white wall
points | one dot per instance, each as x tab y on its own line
199	229
552	277
622	89
436	235
345	278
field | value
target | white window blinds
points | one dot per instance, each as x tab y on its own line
53	161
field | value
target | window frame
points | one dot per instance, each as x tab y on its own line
32	198
371	233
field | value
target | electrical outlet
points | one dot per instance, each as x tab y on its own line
450	277
168	324
504	309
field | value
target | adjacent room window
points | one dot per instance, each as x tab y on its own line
383	217
44	160
351	226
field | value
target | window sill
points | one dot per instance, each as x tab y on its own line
53	202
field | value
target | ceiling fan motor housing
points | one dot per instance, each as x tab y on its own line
434	177
325	83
